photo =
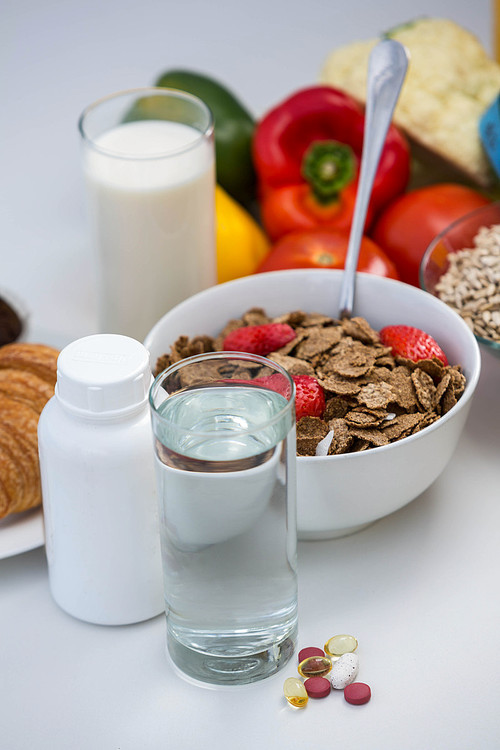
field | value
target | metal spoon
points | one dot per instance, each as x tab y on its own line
386	72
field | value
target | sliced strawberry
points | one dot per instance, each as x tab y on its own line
309	397
261	340
411	343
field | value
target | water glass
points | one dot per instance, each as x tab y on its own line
224	437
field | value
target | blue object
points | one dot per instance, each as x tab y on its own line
489	132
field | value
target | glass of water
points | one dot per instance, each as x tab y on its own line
224	434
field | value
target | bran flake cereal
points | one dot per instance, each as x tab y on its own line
372	398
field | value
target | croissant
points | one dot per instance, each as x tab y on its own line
28	375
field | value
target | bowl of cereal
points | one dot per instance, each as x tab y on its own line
462	268
389	426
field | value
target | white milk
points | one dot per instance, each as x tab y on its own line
153	220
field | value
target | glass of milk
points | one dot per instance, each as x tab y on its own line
224	435
149	167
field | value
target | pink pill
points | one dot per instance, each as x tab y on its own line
357	693
317	687
310	651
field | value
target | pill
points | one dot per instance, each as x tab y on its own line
295	692
317	687
341	644
357	693
305	653
315	666
344	671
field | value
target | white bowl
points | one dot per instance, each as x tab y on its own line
338	495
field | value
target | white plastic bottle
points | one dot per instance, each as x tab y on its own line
98	483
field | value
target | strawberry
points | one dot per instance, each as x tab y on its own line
275	382
261	340
309	397
411	343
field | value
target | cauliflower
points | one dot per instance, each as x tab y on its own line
451	81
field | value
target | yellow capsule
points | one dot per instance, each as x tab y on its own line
341	644
315	666
295	692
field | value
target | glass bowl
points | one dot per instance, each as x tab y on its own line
14	318
457	236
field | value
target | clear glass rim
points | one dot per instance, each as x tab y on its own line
226	355
149	91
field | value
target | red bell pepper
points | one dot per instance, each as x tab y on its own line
307	152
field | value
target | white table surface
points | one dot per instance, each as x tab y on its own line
419	589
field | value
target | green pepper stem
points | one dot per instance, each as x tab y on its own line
328	166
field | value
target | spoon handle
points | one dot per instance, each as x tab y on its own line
386	72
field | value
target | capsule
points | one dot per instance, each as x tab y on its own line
295	692
345	670
315	666
341	644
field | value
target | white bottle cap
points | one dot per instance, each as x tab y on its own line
103	374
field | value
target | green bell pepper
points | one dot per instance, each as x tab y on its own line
233	131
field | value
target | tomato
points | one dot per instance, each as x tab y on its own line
408	225
294	208
321	248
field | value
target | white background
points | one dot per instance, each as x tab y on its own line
419	589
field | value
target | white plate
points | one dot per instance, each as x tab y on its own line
21	532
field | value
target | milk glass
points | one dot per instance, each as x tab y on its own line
224	435
148	162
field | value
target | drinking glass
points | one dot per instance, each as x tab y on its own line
148	162
224	437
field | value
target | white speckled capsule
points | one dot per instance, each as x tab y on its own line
344	671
